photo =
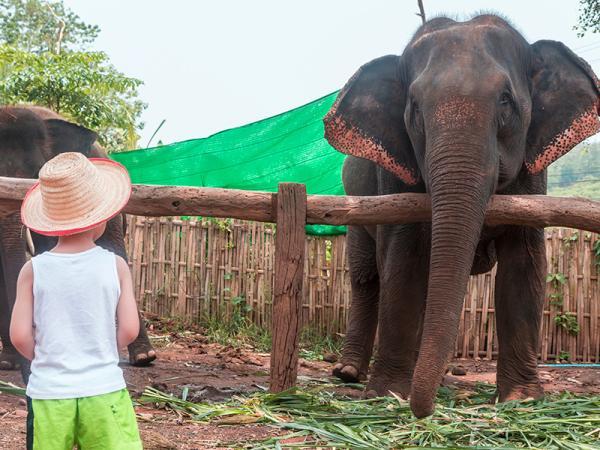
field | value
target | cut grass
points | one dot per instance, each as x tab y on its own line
463	419
9	388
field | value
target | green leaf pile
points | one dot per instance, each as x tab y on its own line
317	417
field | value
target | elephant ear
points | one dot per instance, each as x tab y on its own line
367	119
565	104
67	137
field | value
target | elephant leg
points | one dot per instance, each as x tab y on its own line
9	357
362	321
12	259
403	290
140	351
520	288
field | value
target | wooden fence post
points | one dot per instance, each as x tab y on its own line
289	274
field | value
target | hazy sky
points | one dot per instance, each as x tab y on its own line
212	65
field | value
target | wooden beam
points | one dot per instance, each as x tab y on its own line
150	200
289	273
192	201
529	210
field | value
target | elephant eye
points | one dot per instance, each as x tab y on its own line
506	99
506	108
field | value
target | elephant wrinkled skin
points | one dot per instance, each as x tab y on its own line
469	109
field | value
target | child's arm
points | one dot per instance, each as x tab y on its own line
128	322
21	323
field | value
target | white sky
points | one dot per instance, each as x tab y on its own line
212	65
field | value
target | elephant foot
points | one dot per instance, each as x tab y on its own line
141	355
348	373
380	387
10	360
520	392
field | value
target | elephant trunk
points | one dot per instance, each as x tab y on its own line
460	187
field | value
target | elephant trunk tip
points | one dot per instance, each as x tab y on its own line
422	404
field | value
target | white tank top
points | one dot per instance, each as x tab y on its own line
75	299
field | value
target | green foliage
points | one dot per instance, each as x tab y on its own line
35	26
241	307
573	237
589	17
577	173
82	86
565	320
238	331
556	279
556	299
328	250
597	251
563	356
584	188
236	334
314	344
568	321
317	417
43	62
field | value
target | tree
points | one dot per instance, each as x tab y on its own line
43	61
589	17
35	26
82	86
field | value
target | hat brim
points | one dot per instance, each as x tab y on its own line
115	186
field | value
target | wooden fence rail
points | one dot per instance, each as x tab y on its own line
195	269
530	210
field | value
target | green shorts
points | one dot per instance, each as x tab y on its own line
104	421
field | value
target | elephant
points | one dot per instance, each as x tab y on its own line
30	136
468	110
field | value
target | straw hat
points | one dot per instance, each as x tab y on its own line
75	194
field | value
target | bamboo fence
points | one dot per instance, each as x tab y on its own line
195	269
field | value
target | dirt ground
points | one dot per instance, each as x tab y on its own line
213	372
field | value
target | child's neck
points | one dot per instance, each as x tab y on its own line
75	243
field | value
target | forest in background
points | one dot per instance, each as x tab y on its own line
577	173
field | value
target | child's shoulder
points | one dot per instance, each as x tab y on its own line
106	251
119	259
122	266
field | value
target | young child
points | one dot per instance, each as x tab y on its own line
75	308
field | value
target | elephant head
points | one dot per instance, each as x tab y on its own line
30	136
468	110
27	141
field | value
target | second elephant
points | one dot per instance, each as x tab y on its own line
30	136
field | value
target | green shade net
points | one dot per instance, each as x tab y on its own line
288	147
